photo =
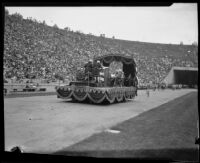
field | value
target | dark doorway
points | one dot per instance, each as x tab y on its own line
186	77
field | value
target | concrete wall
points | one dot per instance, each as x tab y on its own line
49	87
170	77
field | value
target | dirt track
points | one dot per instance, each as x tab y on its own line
44	124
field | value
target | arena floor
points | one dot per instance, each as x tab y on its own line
166	132
45	124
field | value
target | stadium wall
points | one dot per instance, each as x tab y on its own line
169	79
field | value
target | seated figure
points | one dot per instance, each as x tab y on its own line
80	76
119	78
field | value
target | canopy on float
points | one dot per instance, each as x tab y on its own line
129	65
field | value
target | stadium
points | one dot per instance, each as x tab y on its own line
161	121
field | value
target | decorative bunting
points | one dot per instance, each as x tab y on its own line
96	95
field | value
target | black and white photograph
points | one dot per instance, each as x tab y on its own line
102	81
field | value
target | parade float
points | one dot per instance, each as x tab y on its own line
96	84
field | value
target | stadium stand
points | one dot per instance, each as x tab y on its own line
33	49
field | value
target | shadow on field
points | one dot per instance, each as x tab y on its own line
169	129
189	154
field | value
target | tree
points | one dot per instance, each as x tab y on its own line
67	28
55	26
44	22
17	15
6	12
195	43
79	32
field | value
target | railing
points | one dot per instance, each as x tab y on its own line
22	87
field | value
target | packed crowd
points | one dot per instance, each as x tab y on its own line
33	49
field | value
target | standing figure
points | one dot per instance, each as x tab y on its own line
147	91
96	70
130	81
136	84
88	70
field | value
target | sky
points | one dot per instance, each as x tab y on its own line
172	24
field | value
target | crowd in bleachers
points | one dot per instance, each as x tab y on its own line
33	49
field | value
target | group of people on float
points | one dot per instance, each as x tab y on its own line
93	72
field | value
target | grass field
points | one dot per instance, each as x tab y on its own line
167	131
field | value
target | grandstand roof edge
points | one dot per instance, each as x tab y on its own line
185	68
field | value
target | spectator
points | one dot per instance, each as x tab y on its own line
147	91
32	47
